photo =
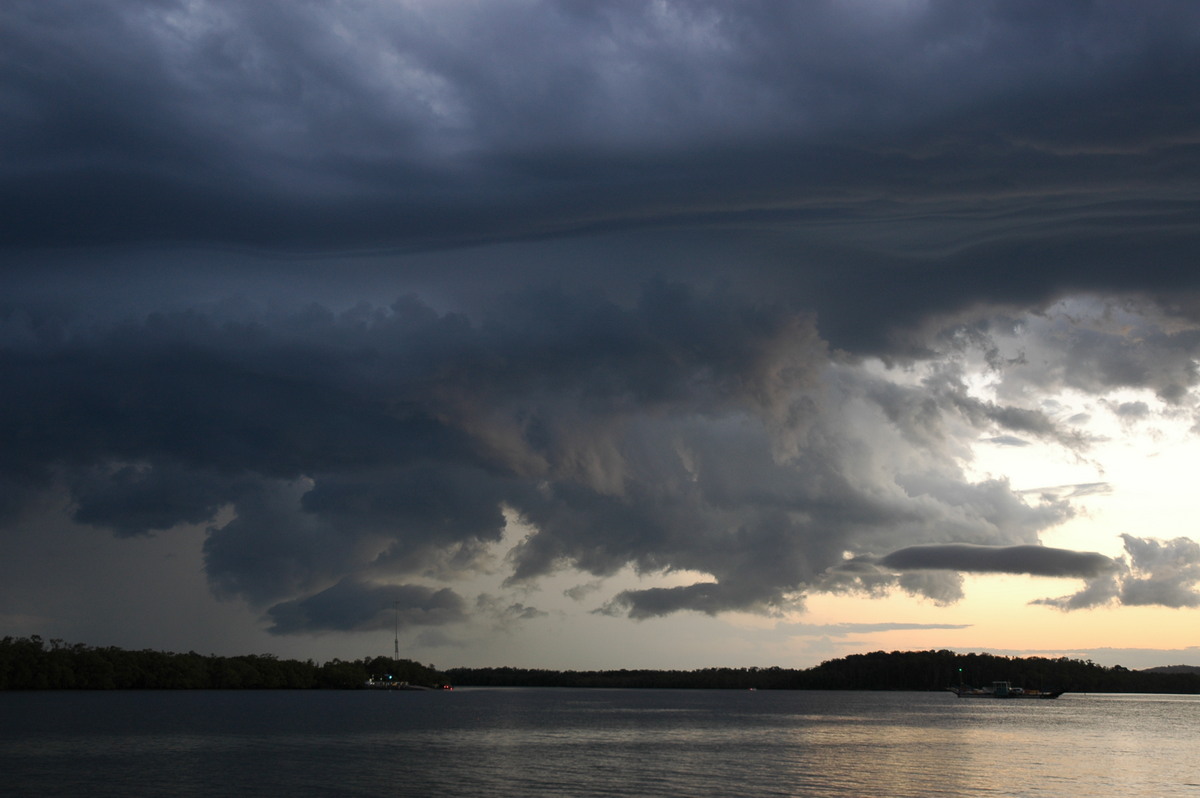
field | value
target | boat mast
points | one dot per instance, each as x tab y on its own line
396	656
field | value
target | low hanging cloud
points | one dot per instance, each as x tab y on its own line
1031	560
352	605
1156	573
687	431
935	571
711	598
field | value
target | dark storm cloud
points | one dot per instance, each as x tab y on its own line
935	571
1033	560
691	431
939	152
710	598
351	605
814	182
388	436
139	500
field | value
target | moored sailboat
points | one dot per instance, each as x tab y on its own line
1003	690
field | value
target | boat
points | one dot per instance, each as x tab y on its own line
389	684
384	684
1003	690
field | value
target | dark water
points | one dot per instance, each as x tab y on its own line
497	742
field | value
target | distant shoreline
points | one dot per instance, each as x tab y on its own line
34	664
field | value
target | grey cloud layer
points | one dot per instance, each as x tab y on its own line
349	605
691	431
941	152
1033	560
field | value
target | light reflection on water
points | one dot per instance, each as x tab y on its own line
596	743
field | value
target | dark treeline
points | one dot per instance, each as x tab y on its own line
879	670
32	664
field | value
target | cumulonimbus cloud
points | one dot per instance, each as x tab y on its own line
810	185
692	431
354	605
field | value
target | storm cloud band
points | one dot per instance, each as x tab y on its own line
1032	560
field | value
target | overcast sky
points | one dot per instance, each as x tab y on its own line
601	334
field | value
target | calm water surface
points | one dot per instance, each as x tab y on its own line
547	742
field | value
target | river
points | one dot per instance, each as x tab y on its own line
482	742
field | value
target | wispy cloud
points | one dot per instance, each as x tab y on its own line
849	629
